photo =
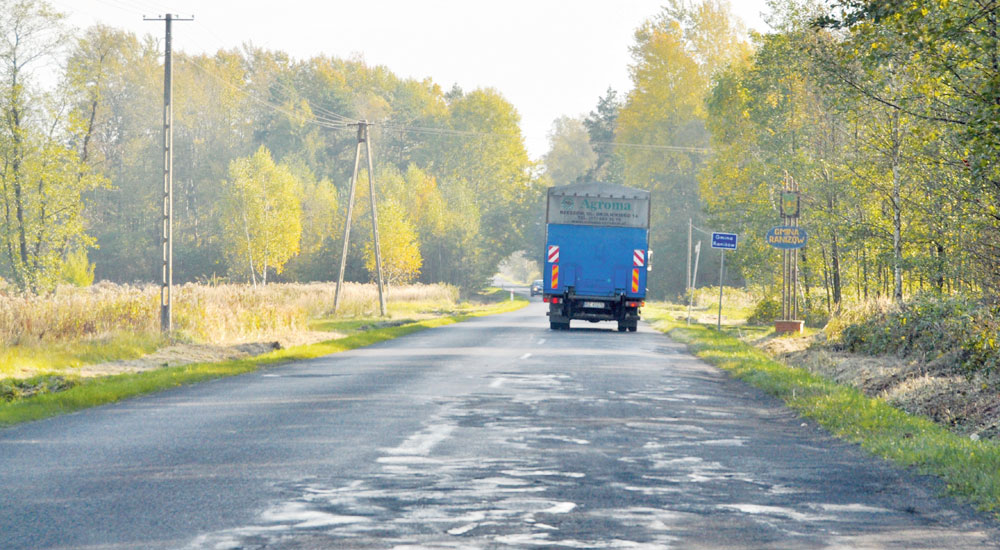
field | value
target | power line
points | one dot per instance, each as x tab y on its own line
441	131
654	147
320	113
340	123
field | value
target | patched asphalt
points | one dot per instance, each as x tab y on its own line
494	433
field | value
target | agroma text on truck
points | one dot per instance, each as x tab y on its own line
596	254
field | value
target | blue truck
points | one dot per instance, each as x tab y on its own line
596	254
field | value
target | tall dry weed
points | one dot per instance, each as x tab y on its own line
203	313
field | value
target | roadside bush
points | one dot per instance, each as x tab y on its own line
816	317
926	327
765	312
12	389
736	298
768	310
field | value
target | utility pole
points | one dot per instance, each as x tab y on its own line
166	313
687	281
363	137
694	279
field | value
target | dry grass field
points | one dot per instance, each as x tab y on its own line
105	322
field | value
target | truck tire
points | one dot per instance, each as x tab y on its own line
554	325
622	327
633	327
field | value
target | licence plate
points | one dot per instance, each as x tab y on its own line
599	305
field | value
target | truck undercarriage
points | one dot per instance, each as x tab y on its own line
570	306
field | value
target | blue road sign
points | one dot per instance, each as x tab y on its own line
787	237
725	241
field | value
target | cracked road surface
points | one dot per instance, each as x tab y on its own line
489	434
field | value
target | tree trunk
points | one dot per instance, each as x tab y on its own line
897	224
835	269
864	269
22	273
826	277
941	263
805	278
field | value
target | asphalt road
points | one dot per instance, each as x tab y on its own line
493	433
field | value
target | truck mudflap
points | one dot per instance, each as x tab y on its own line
563	309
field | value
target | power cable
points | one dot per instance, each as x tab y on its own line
654	147
312	119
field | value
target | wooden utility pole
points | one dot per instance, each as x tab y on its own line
166	313
364	136
687	281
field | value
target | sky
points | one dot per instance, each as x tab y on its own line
549	58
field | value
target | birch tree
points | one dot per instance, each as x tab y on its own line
262	216
41	177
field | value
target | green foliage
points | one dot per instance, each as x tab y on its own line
262	215
675	59
471	173
16	389
400	251
77	269
570	155
321	221
928	327
601	125
765	312
43	177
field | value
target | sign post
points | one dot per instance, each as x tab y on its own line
724	242
789	237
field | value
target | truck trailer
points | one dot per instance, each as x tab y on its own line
596	254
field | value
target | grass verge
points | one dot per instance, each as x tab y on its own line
85	393
970	469
44	357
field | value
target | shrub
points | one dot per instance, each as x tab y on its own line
926	327
765	312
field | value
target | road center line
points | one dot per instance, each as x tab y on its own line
525	356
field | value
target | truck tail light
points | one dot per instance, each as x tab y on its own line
635	304
550	299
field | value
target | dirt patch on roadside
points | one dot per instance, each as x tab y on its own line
932	388
186	354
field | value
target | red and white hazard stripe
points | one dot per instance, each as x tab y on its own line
553	254
639	258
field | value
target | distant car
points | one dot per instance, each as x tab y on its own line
536	287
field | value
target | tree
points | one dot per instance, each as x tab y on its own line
570	155
320	224
485	174
115	83
400	250
952	49
42	178
262	215
676	57
602	126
